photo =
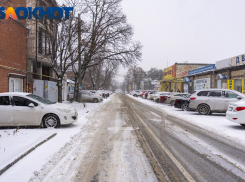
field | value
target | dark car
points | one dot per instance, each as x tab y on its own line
182	103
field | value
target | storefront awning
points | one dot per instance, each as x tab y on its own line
165	80
186	79
220	77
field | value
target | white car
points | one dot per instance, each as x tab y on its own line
25	109
236	112
151	94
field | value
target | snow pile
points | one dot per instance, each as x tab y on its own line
15	142
215	123
24	139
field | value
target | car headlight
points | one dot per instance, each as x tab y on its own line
64	110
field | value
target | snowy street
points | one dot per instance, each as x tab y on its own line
126	138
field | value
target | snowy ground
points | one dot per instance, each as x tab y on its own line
216	123
13	144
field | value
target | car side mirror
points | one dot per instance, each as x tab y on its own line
31	105
239	97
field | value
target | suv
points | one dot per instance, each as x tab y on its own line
213	100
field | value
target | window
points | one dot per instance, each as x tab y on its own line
231	95
15	84
44	43
4	100
85	92
20	101
51	24
215	94
203	93
40	42
40	99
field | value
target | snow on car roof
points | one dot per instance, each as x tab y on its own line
15	93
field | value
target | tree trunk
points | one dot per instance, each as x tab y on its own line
59	83
76	89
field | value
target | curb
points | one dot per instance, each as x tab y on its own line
25	154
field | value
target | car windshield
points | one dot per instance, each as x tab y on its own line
40	99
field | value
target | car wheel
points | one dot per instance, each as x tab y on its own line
51	121
172	103
157	100
185	107
95	100
71	100
203	109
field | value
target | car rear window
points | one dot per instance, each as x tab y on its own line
203	93
231	95
215	94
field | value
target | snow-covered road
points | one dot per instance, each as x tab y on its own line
128	139
101	146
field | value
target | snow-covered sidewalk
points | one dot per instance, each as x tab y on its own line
13	144
215	123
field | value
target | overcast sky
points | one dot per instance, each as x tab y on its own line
197	31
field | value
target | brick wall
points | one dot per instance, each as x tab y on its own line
13	42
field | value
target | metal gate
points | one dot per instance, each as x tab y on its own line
46	89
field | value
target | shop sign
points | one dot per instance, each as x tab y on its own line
178	80
167	73
243	86
238	60
230	84
181	74
219	84
202	69
174	70
201	84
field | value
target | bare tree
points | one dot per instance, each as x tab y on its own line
102	74
109	35
137	75
155	74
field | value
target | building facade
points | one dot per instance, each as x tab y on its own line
174	77
13	56
41	43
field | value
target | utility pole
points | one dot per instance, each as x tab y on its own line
79	61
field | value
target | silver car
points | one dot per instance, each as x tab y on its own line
87	96
213	100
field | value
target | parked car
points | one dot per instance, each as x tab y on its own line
173	96
164	97
70	96
236	112
136	93
151	94
25	109
98	93
158	95
89	97
213	100
183	103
